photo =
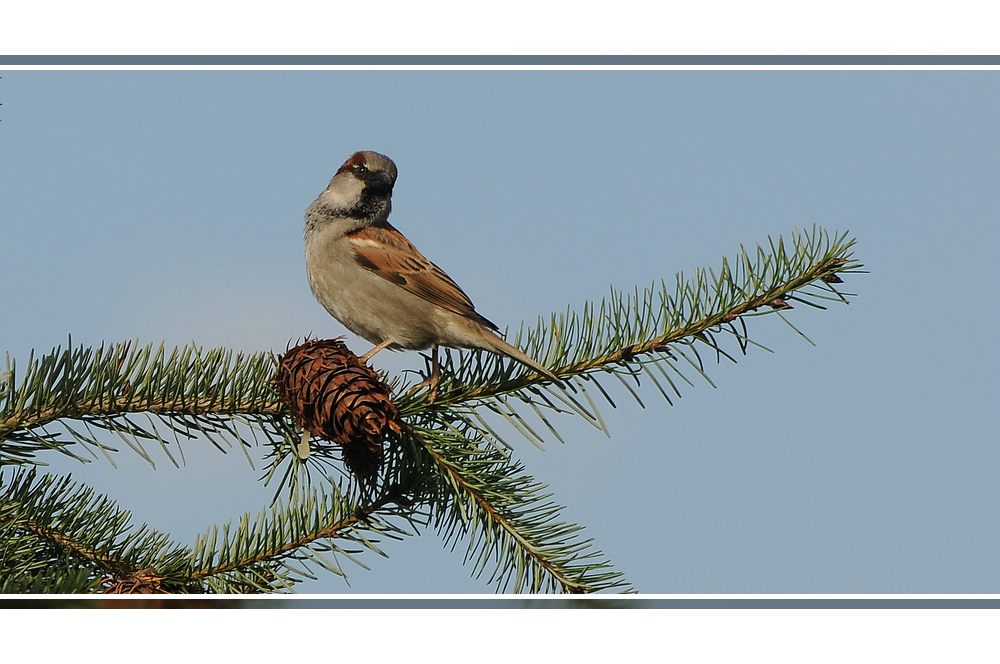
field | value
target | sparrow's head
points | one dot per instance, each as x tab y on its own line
360	193
375	171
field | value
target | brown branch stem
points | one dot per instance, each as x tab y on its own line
126	406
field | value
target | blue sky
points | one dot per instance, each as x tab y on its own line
168	206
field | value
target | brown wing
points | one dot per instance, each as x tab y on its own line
386	252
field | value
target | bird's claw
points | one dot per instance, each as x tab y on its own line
431	383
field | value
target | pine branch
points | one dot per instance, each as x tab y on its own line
76	547
31	564
188	393
57	519
46	519
27	565
625	327
315	528
485	498
508	521
656	336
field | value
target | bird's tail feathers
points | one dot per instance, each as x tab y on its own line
505	348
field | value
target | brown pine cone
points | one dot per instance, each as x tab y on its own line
333	396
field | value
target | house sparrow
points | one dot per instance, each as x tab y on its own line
375	282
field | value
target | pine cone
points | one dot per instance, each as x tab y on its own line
333	396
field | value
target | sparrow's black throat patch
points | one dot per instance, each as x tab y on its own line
370	207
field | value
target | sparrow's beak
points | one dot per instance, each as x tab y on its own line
379	183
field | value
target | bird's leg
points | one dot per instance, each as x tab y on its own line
431	381
367	356
435	376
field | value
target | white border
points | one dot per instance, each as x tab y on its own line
529	27
487	636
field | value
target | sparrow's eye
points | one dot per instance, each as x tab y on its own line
361	170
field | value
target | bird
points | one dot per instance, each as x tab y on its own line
373	280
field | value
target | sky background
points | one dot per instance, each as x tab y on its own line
168	206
